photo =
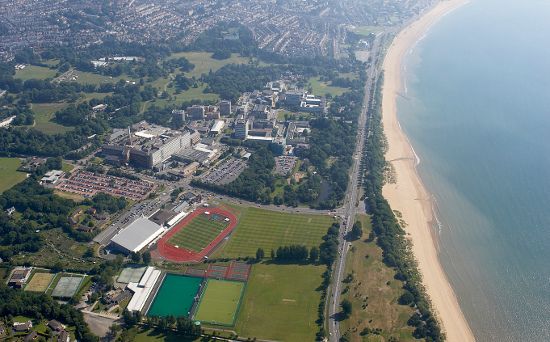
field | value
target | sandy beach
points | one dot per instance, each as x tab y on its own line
408	194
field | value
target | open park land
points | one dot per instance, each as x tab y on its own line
260	228
408	194
10	175
281	302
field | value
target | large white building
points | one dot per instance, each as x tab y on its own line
143	289
137	235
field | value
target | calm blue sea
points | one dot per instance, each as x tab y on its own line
478	115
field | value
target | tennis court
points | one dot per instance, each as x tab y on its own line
175	296
199	233
220	302
67	286
40	282
131	275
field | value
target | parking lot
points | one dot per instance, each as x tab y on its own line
284	165
88	184
226	172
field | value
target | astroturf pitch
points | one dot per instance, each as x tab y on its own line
220	302
175	296
198	233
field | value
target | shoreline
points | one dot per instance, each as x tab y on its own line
408	195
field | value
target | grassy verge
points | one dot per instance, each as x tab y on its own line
10	175
280	303
373	292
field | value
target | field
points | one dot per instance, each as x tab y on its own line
175	296
272	229
198	233
67	286
373	292
321	88
366	30
281	302
10	175
204	62
43	114
40	282
220	301
34	71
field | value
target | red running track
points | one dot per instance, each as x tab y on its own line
172	253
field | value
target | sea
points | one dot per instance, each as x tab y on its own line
476	108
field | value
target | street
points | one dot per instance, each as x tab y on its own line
349	208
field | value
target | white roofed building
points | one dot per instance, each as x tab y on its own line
137	235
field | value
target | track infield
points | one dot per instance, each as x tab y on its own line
40	282
220	302
196	235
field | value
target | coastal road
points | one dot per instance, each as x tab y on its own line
350	208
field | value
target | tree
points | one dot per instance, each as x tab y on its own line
346	308
406	298
146	257
272	254
136	257
260	254
313	254
357	230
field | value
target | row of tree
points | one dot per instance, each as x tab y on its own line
390	235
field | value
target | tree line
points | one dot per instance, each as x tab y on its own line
390	235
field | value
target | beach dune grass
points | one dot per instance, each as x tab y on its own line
260	228
220	302
373	292
281	302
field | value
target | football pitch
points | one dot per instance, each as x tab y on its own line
281	302
199	232
266	229
220	302
40	282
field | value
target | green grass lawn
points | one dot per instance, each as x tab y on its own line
198	233
204	62
321	88
34	71
150	335
93	78
220	302
272	229
43	115
366	30
373	293
280	303
10	175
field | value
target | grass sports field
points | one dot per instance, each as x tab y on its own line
10	175
35	71
40	282
199	233
321	88
271	229
220	302
281	303
175	296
